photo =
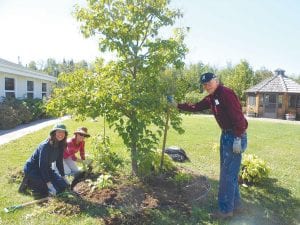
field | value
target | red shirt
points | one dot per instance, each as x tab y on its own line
226	108
73	148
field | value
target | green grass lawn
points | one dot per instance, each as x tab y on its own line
276	201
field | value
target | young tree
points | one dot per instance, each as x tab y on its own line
130	90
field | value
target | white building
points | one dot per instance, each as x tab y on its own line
20	82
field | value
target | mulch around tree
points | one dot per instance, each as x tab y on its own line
136	198
130	196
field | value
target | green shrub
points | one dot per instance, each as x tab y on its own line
253	169
8	117
105	160
36	107
15	111
24	113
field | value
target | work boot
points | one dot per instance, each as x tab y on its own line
221	215
24	185
239	210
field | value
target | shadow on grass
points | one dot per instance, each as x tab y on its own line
271	204
267	204
176	207
72	203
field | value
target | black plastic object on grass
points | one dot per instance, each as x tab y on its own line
177	154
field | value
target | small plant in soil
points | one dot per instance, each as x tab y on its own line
103	181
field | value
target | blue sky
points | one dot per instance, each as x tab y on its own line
264	32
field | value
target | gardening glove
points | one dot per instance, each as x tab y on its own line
237	145
84	165
87	162
171	101
79	160
66	180
51	189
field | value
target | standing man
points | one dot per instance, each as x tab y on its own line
227	110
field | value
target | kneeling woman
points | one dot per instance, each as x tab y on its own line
39	175
74	145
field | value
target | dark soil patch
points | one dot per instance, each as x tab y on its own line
104	196
132	197
136	198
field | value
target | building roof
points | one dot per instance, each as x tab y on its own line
16	69
278	83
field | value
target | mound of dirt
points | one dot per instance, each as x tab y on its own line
134	198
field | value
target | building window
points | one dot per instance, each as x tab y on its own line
10	87
44	90
30	89
252	100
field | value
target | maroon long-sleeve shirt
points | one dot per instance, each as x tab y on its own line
226	108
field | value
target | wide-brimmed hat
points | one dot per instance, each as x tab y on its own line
59	126
83	131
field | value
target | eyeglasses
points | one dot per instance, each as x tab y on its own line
82	135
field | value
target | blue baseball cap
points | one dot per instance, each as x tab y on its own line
206	77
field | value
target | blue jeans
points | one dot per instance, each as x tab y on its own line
229	195
39	186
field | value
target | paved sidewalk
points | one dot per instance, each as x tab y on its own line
15	133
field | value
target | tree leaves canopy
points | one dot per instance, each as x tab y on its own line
130	91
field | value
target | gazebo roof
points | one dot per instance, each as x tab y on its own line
278	83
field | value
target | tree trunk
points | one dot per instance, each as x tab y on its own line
134	165
133	140
164	140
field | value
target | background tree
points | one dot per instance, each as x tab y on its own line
261	75
297	79
130	90
192	74
239	78
51	67
68	66
32	65
81	65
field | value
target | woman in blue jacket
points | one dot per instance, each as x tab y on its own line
39	176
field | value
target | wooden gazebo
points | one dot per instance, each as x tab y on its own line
275	97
